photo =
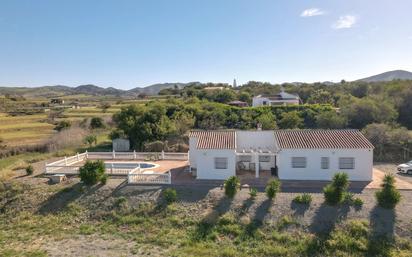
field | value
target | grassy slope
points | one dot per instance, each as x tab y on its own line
37	215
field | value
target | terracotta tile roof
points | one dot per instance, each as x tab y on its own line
326	139
215	139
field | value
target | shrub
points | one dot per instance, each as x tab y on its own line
64	124
29	170
253	192
357	202
335	192
90	140
170	195
388	197
272	188
92	172
96	122
103	179
303	199
232	185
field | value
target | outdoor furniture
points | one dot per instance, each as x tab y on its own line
58	178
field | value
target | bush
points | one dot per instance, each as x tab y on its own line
232	185
357	202
388	197
303	199
90	140
170	195
103	179
92	172
96	122
64	124
29	170
253	192
335	192
272	188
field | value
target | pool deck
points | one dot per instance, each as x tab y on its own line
163	165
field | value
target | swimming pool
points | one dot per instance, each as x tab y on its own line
129	165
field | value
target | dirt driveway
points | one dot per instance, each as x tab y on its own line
391	168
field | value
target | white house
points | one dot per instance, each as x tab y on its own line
282	98
294	154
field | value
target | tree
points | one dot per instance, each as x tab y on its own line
364	111
290	120
334	193
224	96
245	97
267	120
321	96
90	140
96	122
272	188
64	124
232	185
405	109
330	120
104	106
92	172
388	197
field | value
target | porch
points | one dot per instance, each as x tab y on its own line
256	163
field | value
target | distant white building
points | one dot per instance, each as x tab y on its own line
282	98
295	154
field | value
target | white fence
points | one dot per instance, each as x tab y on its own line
149	178
71	165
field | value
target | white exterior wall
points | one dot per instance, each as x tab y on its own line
192	152
258	101
263	139
206	163
361	172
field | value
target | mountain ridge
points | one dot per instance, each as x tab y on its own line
388	76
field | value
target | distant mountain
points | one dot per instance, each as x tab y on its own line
155	89
389	76
92	90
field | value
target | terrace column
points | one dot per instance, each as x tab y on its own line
163	155
256	157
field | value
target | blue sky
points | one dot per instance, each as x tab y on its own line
130	43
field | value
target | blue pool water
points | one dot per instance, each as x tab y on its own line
117	165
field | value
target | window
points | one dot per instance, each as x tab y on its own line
347	163
220	163
265	103
264	158
298	162
324	163
245	158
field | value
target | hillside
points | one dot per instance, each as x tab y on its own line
93	90
389	76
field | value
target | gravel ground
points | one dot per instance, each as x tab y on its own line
391	168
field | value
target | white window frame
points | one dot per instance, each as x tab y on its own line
221	163
324	163
346	163
298	162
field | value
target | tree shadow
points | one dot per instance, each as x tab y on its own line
382	222
259	217
326	217
59	201
205	227
299	209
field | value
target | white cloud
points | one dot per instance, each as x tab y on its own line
312	12
345	22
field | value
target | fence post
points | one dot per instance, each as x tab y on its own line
134	154
78	158
87	155
65	160
113	155
163	155
169	177
111	170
